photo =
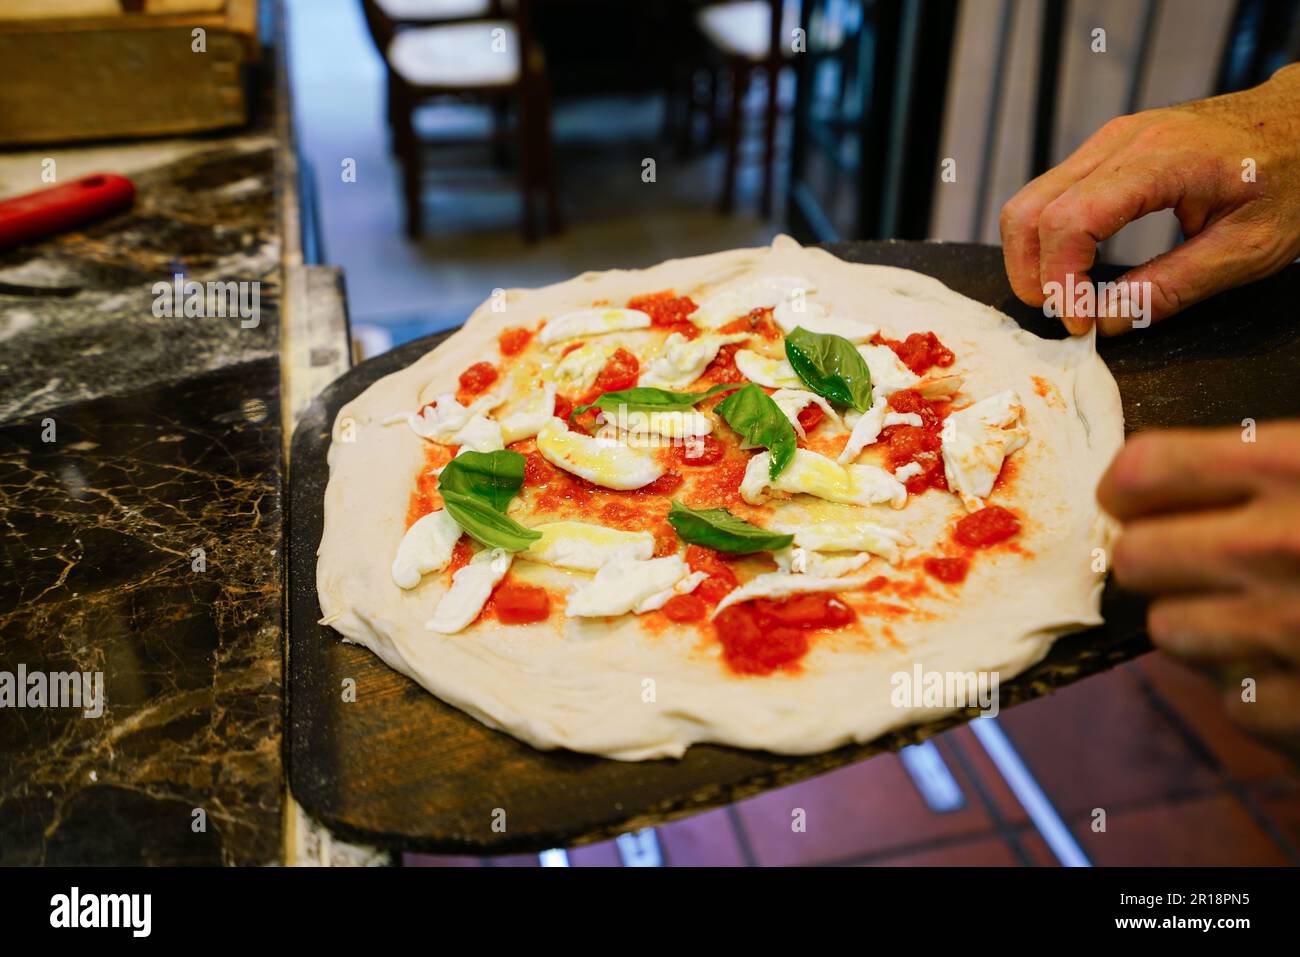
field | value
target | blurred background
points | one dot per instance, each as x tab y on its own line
640	131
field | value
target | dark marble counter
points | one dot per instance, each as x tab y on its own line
130	440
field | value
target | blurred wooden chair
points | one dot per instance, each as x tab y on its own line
750	36
474	51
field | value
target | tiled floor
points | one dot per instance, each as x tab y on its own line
1145	745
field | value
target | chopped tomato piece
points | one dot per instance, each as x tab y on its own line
683	608
810	415
921	351
563	407
620	373
664	308
517	603
950	570
760	636
513	341
986	527
477	378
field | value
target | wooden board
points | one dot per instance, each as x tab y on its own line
399	767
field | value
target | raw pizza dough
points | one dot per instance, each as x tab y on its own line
618	690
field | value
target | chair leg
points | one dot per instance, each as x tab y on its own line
739	85
546	134
769	138
500	126
408	157
526	138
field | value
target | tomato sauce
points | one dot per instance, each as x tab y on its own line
759	323
425	498
920	444
760	636
518	603
810	415
988	526
722	369
667	311
951	571
685	608
514	341
920	352
460	556
721	581
620	372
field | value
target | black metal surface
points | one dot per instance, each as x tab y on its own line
1224	361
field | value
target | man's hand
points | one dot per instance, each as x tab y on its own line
1193	158
1212	531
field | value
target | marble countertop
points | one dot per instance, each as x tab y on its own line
141	473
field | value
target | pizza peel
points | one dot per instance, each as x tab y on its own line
397	767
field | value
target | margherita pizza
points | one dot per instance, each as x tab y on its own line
728	499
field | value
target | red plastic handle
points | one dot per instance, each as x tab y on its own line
48	211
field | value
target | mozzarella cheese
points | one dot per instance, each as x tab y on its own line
586	547
441	420
602	460
577	371
813	474
910	470
738	300
903	418
846	536
866	428
591	322
528	421
426	547
781	584
687	423
801	561
480	434
765	371
680	361
888	374
975	442
625	584
469	591
792	401
817	318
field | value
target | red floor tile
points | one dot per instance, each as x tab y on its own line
439	860
867	808
513	860
1035	848
981	852
985	772
1197	703
1208	831
1281	804
604	854
705	840
1103	743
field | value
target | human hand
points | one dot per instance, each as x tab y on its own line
1212	532
1195	158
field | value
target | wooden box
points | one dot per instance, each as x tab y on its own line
108	69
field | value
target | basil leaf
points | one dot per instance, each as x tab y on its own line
760	421
830	366
493	477
718	529
476	487
483	523
647	399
